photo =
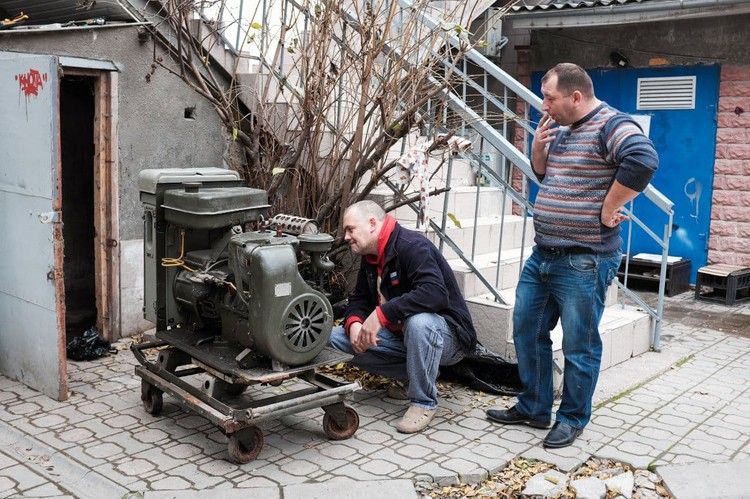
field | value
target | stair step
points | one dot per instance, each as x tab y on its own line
461	202
461	174
488	231
625	331
487	264
494	320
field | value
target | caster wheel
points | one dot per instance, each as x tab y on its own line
221	389
152	397
245	445
336	432
235	390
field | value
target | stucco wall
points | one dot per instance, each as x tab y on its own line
152	133
152	130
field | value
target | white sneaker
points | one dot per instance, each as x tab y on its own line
415	419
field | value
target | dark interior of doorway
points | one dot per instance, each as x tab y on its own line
77	146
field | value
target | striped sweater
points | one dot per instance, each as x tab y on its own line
582	163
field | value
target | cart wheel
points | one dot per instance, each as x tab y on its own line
245	445
152	397
234	390
336	432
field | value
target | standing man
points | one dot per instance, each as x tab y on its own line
590	165
406	316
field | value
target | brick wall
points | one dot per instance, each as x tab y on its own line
730	213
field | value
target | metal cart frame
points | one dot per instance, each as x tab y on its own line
187	354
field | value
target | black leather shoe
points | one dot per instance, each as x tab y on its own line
512	416
561	435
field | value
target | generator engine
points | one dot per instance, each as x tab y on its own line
214	263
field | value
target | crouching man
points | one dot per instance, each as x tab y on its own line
406	316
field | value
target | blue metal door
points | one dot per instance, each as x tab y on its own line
685	140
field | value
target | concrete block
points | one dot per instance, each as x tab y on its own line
642	335
493	323
131	288
622	341
707	480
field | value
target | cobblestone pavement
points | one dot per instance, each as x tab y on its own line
101	443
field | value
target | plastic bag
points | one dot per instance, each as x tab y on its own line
89	346
486	371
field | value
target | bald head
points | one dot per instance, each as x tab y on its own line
362	223
367	209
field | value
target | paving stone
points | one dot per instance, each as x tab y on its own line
135	467
565	460
163	461
150	436
23	408
105	450
256	482
112	472
621	484
444	436
365	490
437	473
414	451
171	483
195	476
49	421
589	488
551	483
7	484
703	480
46	490
182	451
373	436
611	451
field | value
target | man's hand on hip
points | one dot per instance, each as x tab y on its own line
613	218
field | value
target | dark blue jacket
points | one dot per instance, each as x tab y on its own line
416	278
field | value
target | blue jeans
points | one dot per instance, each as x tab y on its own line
414	357
572	288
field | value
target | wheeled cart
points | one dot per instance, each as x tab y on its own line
182	354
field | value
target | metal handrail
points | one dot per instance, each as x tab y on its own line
491	139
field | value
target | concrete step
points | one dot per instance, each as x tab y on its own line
625	330
488	230
487	264
494	321
461	202
461	172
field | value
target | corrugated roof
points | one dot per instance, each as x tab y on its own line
551	5
61	11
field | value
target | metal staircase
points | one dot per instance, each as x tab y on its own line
482	221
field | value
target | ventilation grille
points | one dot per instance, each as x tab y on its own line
673	92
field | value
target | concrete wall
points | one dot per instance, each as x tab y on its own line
721	40
713	40
152	132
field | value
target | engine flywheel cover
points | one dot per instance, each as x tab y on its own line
306	323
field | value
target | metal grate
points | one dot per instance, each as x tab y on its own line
670	92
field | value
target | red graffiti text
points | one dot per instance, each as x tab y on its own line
31	82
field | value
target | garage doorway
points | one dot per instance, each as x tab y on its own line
89	202
77	154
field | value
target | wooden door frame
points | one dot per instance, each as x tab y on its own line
106	200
